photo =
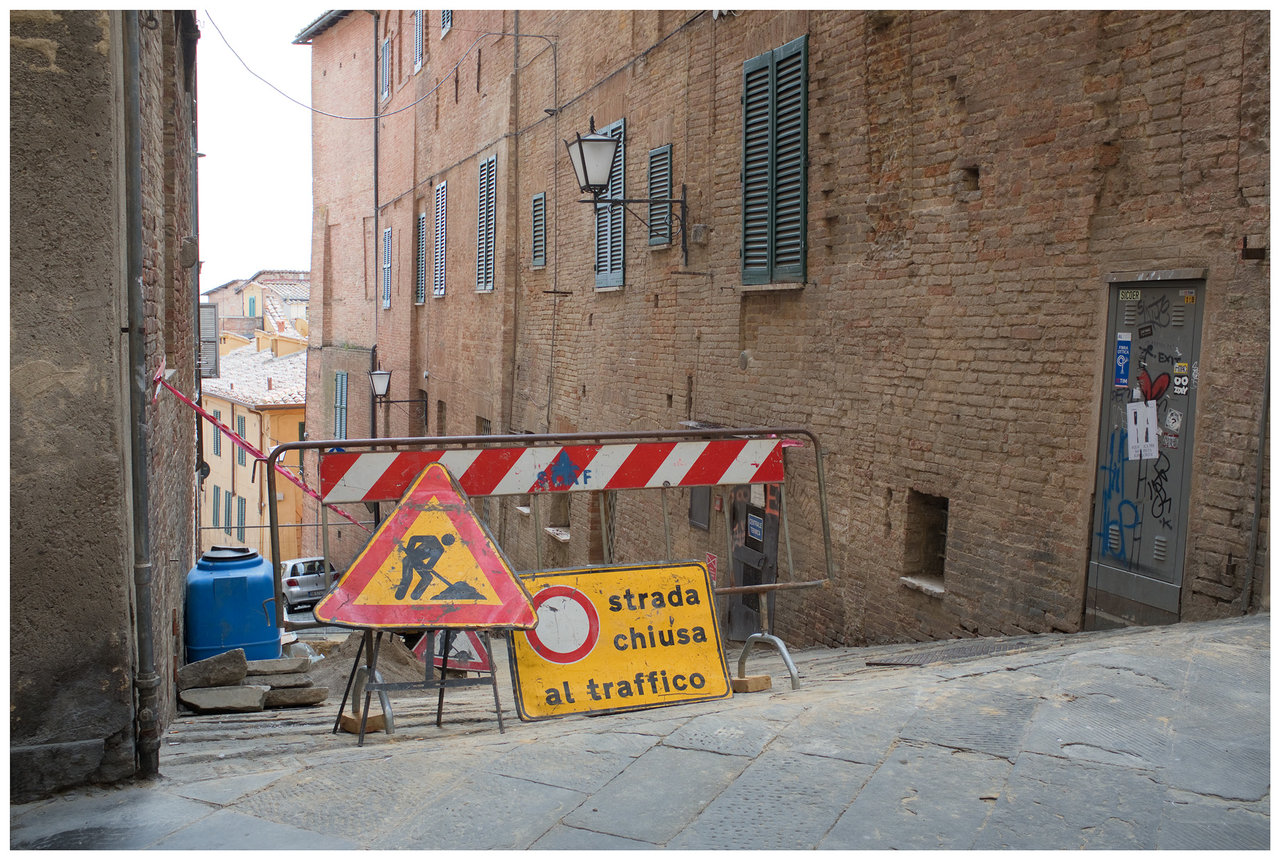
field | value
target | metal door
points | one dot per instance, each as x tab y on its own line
755	555
1144	453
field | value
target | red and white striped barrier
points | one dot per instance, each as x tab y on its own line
384	476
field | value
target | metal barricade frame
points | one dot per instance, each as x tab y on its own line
433	448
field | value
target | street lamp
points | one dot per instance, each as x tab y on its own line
592	157
380	380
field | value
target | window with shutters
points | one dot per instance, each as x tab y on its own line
240	512
217	506
539	222
226	512
217	435
660	189
420	270
384	69
609	223
487	194
437	260
418	17
253	306
340	405
774	165
240	458
208	340
446	21
386	268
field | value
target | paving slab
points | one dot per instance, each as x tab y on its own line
1052	804
227	830
228	789
562	838
485	811
783	801
923	797
1192	822
562	762
970	718
112	819
855	730
658	794
739	733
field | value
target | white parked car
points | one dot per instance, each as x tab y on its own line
305	581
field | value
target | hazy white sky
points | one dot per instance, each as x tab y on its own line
255	176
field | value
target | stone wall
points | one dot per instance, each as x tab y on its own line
72	602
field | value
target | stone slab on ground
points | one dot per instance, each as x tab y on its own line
295	697
278	682
236	700
220	670
279	666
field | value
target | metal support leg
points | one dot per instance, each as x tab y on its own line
337	723
444	672
768	639
493	677
368	694
666	521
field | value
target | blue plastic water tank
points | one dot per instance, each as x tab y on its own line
231	604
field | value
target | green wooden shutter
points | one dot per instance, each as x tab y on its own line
609	224
485	223
660	189
774	164
757	79
790	149
420	271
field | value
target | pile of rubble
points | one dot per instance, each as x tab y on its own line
229	683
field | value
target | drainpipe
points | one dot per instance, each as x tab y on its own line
145	682
377	219
1247	594
376	507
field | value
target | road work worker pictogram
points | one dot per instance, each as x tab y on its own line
420	557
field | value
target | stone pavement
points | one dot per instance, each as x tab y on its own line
1150	738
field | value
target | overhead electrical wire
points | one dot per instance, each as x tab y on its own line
412	104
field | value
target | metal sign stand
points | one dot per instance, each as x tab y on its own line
371	644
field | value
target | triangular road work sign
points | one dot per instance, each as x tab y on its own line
430	565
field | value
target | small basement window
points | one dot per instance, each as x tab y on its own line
926	536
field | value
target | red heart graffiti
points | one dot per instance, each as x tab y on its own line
1153	390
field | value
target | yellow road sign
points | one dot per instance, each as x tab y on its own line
618	639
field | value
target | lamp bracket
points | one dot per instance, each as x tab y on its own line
680	217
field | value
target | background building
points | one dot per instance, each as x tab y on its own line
928	236
103	296
261	395
268	300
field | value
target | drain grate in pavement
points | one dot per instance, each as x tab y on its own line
950	651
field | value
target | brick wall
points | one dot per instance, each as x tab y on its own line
973	179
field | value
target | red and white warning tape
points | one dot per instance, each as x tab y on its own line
236	439
383	476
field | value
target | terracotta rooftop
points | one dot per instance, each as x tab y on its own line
260	378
